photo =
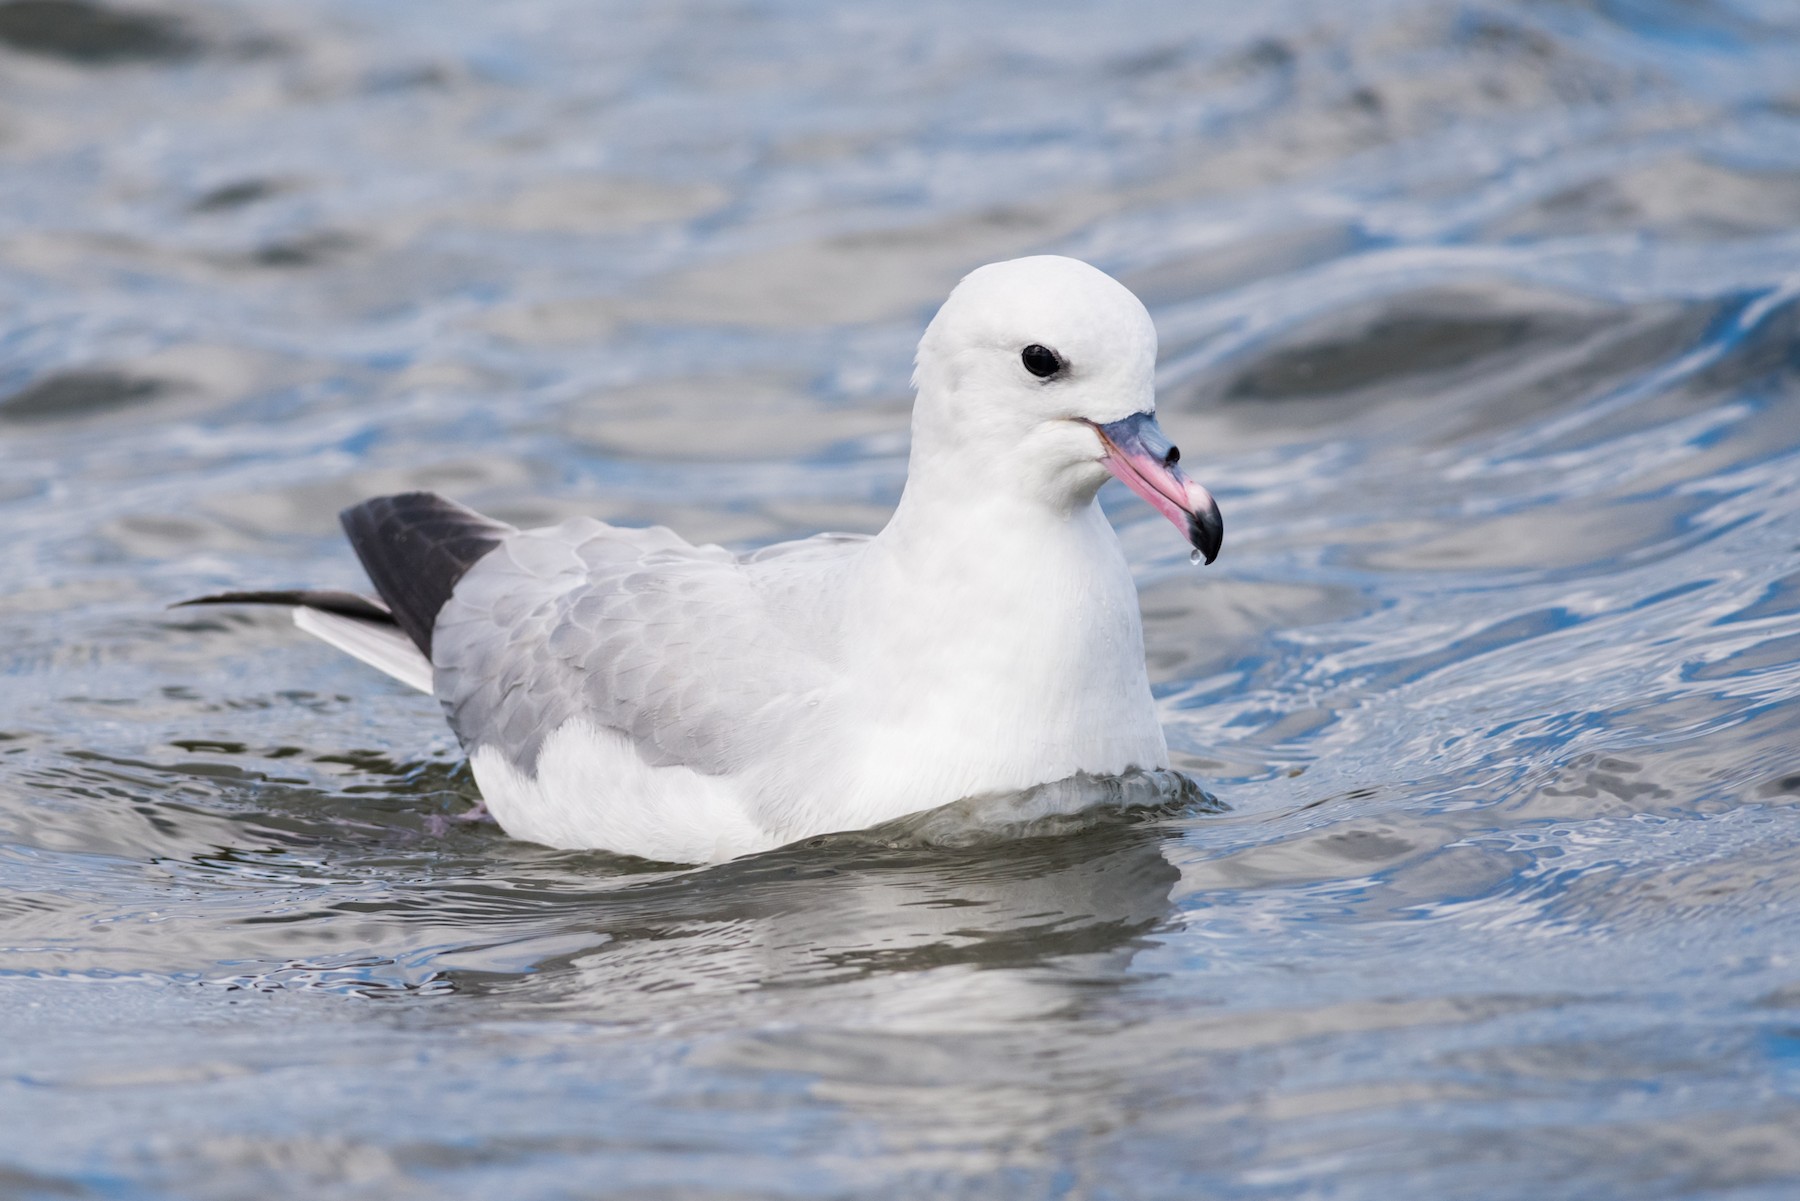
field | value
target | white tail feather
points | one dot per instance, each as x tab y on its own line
380	646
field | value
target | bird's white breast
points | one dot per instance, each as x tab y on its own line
990	667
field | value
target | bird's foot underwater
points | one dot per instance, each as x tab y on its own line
440	824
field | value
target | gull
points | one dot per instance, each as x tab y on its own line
624	690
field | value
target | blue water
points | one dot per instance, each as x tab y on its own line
1482	321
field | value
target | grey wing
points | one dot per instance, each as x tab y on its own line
671	644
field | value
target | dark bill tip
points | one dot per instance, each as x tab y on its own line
1206	531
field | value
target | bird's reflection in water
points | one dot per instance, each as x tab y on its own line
945	1006
853	909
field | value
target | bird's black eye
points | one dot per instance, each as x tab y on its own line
1041	361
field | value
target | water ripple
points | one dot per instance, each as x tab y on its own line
1480	319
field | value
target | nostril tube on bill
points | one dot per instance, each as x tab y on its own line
1173	457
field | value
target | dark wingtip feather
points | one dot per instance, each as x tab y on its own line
415	547
349	604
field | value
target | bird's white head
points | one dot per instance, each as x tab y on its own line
1042	371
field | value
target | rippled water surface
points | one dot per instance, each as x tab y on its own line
1482	320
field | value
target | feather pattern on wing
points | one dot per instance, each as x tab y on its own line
688	651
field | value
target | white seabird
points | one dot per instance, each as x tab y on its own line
622	689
